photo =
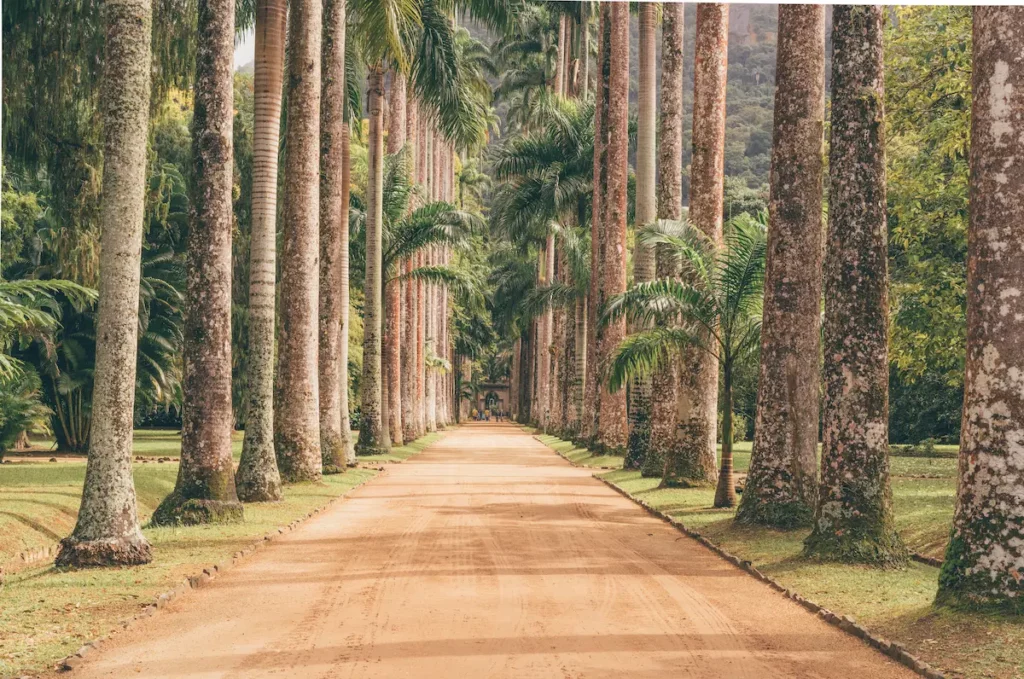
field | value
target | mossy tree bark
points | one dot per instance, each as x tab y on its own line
297	398
781	487
592	381
258	479
646	213
343	297
373	435
691	461
854	520
205	489
984	563
612	427
332	106
107	530
664	413
392	286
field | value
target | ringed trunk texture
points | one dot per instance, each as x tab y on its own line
410	300
107	531
373	435
205	489
985	559
854	519
332	106
665	419
612	425
258	479
393	288
592	378
297	421
692	460
646	214
343	298
781	487
548	325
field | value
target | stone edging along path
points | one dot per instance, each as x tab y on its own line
209	574
844	623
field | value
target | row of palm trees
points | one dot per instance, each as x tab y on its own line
704	293
298	417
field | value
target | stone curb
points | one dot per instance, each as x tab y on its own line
536	438
199	580
845	623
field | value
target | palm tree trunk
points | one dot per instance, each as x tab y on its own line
373	435
258	479
985	553
725	495
343	298
107	530
646	213
410	300
612	425
205	488
559	84
592	389
584	85
421	327
854	519
393	288
693	461
297	412
332	106
665	383
547	323
557	349
781	485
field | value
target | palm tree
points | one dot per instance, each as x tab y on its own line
333	447
693	456
854	520
410	301
107	529
612	429
205	487
258	479
297	400
714	308
982	565
646	213
665	383
781	486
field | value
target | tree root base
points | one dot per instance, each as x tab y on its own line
885	551
176	511
75	553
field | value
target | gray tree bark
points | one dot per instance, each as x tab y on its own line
107	530
373	434
410	301
613	428
258	479
297	398
665	419
392	287
205	488
854	520
781	487
646	214
333	447
984	563
692	460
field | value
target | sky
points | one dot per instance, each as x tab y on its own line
245	49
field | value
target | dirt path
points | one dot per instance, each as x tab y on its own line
485	556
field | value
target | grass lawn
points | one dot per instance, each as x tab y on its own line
47	614
896	604
403	453
148	443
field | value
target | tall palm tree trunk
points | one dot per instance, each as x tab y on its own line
205	488
393	287
612	425
665	383
422	289
986	552
410	300
297	412
373	433
692	461
332	106
258	479
592	379
345	428
107	529
854	519
781	486
548	325
646	213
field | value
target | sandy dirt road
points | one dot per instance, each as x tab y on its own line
485	556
